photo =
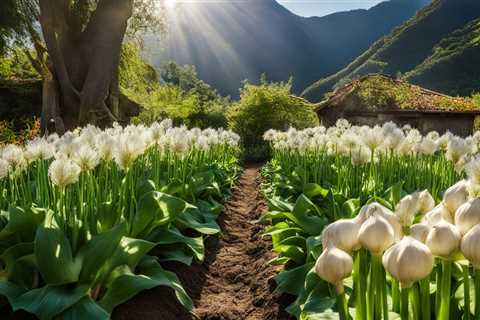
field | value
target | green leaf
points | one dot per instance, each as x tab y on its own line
152	275
193	219
11	291
312	190
318	300
49	301
312	224
395	193
16	269
351	207
23	222
156	209
54	256
129	252
169	236
86	308
106	216
276	204
98	250
292	281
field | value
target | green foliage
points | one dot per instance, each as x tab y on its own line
453	65
18	131
15	65
476	99
182	97
382	92
268	106
78	251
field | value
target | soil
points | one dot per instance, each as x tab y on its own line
235	282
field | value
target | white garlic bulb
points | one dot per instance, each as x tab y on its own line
419	231
376	234
437	214
443	239
426	202
407	208
470	246
342	234
408	261
455	196
468	215
376	209
333	266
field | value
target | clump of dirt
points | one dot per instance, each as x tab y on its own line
235	282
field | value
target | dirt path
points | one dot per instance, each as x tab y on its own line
235	282
239	283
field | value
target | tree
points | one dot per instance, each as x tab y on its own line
78	57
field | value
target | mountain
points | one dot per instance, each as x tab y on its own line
454	65
229	41
416	49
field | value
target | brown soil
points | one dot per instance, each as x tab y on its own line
235	281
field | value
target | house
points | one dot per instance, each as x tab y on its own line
376	99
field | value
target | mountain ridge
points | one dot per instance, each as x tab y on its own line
406	47
232	41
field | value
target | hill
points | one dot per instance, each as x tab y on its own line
408	46
454	65
229	41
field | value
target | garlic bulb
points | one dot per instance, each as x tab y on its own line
333	266
407	208
426	202
420	231
468	215
456	195
443	239
408	261
376	209
376	234
342	234
471	246
437	214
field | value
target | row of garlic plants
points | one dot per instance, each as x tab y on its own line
318	176
81	214
441	250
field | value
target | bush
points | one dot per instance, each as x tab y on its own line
181	97
267	106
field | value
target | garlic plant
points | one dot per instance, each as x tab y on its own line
434	243
80	212
360	161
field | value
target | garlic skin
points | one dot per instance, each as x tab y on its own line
376	209
407	209
333	266
426	202
455	196
468	215
342	234
419	231
443	239
470	246
408	261
376	234
437	214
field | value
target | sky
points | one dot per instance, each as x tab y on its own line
309	8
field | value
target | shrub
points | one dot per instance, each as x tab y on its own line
268	105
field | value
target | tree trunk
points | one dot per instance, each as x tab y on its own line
84	63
